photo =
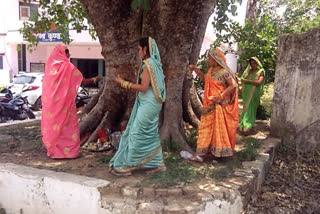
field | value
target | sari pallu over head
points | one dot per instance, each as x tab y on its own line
215	88
154	66
59	122
257	73
251	94
218	124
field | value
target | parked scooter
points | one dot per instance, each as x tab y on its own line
14	107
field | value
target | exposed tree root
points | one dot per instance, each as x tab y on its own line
195	101
188	113
87	108
91	121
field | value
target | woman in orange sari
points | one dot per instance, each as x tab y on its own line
219	120
59	120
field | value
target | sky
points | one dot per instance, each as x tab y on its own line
240	18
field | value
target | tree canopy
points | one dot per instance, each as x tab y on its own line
70	14
260	39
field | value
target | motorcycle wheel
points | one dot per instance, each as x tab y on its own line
30	114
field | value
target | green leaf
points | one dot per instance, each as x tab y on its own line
233	9
135	4
145	4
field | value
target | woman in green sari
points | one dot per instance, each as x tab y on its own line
140	144
252	88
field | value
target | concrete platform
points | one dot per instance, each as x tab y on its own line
36	191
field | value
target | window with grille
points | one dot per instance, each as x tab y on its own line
24	12
22	57
1	62
27	10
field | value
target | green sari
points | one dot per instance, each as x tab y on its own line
251	95
140	144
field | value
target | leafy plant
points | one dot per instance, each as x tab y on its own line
267	99
192	138
170	146
261	113
249	153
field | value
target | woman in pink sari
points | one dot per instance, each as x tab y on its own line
59	121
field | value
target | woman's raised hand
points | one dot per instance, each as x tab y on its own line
118	79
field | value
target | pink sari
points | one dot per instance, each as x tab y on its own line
59	121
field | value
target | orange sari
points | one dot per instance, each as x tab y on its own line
218	124
59	120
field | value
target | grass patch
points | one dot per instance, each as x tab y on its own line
178	170
105	159
249	153
170	146
182	171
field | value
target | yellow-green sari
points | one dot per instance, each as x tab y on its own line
251	95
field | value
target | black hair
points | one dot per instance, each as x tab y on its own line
67	51
144	42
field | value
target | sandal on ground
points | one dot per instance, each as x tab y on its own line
158	169
121	173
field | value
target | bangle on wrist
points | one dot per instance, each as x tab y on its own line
124	84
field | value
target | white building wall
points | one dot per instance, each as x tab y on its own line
43	51
232	62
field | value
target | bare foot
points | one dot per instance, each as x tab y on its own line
158	169
121	173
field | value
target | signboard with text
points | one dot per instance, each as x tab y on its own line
53	36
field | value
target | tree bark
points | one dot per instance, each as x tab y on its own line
195	101
251	11
178	29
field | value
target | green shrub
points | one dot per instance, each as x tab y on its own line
262	113
249	153
192	138
266	100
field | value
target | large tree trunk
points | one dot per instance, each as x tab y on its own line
178	28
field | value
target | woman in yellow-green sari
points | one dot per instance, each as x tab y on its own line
252	88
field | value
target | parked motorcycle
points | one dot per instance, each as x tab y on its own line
83	97
14	107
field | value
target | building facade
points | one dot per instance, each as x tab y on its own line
14	56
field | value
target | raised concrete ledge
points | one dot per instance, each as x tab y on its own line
30	191
21	122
